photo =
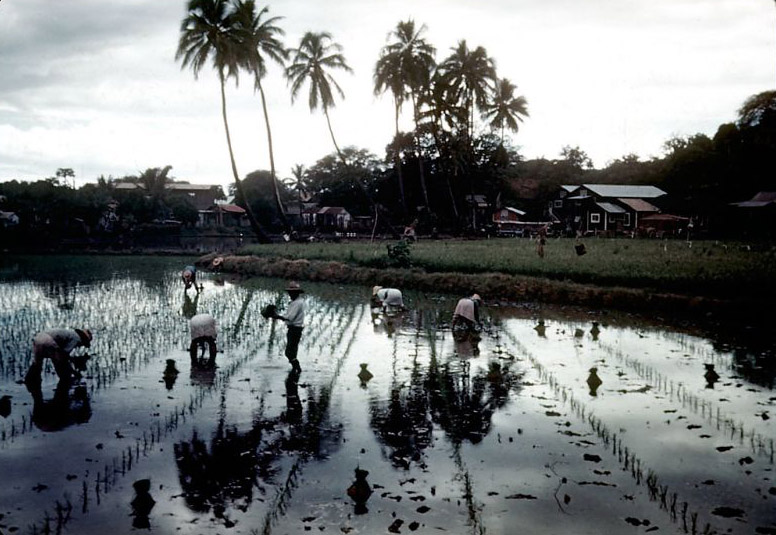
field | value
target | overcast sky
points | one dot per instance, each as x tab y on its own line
94	85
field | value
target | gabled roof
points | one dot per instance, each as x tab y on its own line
762	198
664	217
230	208
515	210
569	187
181	186
625	191
334	210
611	208
639	205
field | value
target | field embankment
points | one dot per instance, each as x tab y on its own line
697	278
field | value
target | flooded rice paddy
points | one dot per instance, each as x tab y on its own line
550	424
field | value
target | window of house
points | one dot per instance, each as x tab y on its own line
558	203
595	218
627	219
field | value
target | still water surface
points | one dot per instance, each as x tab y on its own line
513	434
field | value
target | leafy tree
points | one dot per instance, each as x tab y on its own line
576	158
209	31
312	61
260	39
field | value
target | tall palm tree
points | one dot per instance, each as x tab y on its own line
208	33
410	58
155	180
468	74
388	76
259	37
313	60
504	108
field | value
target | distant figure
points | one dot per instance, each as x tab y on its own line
388	300
203	333
595	331
57	344
541	329
711	376
217	263
360	491
409	231
466	318
294	319
189	277
541	241
593	381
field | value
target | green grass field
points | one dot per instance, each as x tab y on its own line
700	267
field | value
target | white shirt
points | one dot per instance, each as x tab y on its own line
294	315
390	297
202	325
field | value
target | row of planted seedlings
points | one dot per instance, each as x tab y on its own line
679	511
706	409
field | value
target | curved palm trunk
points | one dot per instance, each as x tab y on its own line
260	235
333	140
275	188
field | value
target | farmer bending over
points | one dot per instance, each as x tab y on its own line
390	300
189	277
466	318
203	332
57	344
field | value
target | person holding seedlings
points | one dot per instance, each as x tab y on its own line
57	344
466	318
294	319
389	300
203	332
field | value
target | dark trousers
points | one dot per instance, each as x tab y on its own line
293	336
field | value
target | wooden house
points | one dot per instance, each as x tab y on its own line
603	208
223	215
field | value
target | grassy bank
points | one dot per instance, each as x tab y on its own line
701	268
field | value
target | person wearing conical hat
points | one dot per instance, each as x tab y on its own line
388	300
294	318
57	344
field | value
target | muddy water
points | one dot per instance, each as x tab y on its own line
511	434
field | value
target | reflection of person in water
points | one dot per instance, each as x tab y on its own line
711	375
61	411
142	504
189	305
203	333
360	491
57	344
293	414
593	381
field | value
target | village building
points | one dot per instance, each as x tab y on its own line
223	215
603	208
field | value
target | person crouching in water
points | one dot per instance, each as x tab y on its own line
189	277
294	318
57	344
203	333
466	318
388	300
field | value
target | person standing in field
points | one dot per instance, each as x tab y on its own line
294	318
57	344
541	241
